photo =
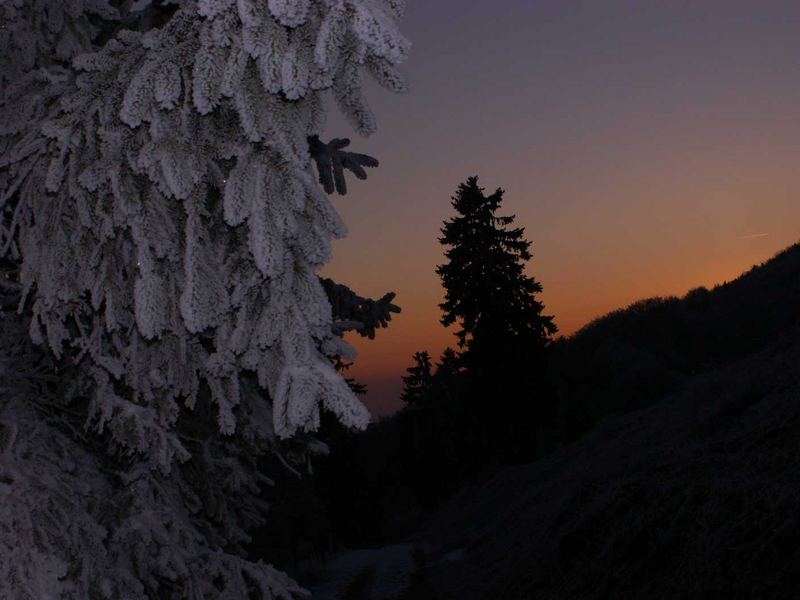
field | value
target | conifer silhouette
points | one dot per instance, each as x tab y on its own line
487	290
417	385
503	333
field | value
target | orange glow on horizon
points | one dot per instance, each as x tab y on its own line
382	361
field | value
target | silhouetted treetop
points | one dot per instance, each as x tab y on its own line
449	365
418	384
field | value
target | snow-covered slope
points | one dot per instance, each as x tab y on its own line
694	497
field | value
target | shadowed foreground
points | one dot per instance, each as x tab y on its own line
694	497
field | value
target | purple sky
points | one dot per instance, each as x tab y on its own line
646	147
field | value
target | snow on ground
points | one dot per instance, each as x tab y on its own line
384	572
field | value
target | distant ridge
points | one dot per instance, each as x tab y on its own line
634	356
771	275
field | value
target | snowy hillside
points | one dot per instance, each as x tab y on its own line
694	497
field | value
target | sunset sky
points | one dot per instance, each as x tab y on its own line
646	147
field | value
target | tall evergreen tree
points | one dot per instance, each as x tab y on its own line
486	288
502	331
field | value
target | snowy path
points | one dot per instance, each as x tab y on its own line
391	567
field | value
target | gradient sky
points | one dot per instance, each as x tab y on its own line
646	147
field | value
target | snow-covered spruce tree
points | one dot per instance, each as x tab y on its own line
160	235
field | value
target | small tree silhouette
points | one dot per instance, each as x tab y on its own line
448	368
418	384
